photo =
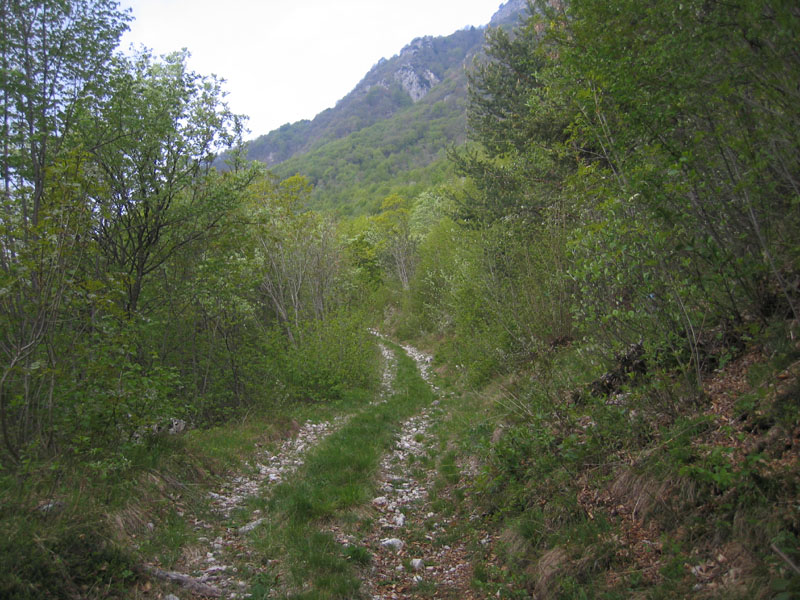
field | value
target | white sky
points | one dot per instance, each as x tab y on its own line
286	60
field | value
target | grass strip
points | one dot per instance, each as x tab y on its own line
338	476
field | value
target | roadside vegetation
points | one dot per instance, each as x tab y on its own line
615	281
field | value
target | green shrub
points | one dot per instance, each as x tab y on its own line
331	356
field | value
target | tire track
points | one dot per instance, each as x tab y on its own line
408	558
212	563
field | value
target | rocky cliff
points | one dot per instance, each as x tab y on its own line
509	13
390	86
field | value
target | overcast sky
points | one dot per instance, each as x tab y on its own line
287	60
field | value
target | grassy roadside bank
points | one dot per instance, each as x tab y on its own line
72	529
658	490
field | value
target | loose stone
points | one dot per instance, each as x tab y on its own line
250	526
393	543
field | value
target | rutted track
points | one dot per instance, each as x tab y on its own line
408	554
211	566
415	551
214	564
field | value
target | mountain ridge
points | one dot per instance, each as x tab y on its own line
409	69
402	115
389	86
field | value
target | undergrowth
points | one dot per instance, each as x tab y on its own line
661	489
82	528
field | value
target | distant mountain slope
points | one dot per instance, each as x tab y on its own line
508	14
404	153
390	86
388	134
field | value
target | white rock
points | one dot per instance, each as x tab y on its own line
393	543
250	526
417	564
380	501
400	519
216	569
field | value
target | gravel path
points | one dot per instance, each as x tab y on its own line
389	373
409	554
222	547
413	547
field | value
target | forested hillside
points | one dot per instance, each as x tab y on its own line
391	133
405	153
391	86
197	363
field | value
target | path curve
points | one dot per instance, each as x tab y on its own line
213	564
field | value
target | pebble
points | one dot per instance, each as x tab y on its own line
216	569
250	526
417	564
394	543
